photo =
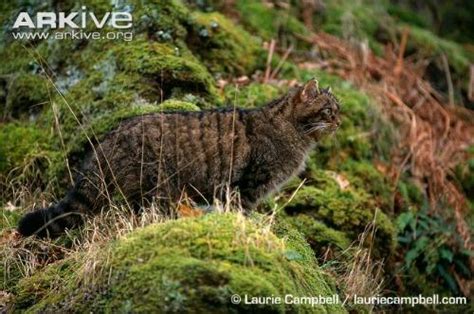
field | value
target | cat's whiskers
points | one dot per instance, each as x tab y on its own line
318	127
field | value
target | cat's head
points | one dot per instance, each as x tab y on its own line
316	111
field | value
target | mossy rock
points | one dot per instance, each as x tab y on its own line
26	95
224	47
317	234
164	63
364	175
348	210
191	265
162	20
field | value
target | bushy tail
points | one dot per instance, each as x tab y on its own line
52	221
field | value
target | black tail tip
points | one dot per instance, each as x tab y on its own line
34	223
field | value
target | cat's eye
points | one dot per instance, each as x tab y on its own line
326	112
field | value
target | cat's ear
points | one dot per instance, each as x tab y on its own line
310	90
328	90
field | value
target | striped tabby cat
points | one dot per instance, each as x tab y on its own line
163	155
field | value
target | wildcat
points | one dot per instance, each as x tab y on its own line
160	156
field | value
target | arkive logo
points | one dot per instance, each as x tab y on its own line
75	20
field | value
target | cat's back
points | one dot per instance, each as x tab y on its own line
211	125
211	142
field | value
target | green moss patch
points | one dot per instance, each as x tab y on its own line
26	95
428	44
224	47
269	22
251	96
357	20
318	234
178	105
188	265
21	145
346	209
164	63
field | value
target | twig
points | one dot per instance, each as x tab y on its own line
470	92
401	52
309	7
282	60
271	49
448	79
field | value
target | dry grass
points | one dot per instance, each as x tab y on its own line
356	272
28	255
434	136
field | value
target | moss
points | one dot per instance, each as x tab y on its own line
428	44
165	64
223	46
252	95
364	175
357	20
16	59
163	20
177	105
21	144
407	16
349	210
317	234
26	94
30	156
188	265
33	288
269	22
